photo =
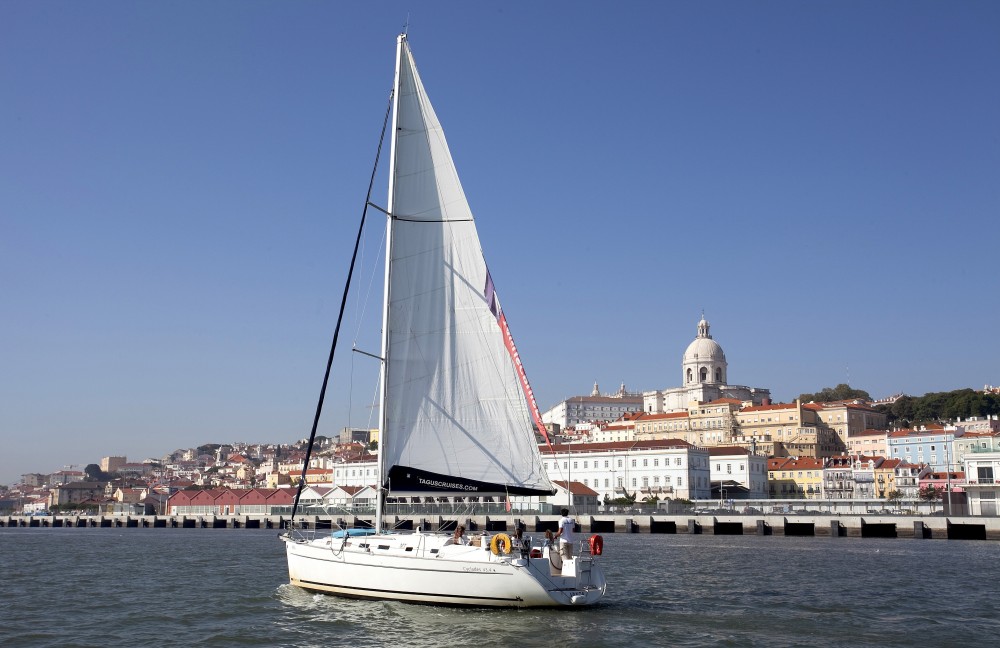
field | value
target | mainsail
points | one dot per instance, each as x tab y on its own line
454	416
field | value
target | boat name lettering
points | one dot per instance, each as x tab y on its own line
440	484
484	570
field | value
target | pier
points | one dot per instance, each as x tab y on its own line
936	527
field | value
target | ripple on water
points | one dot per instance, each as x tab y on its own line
229	589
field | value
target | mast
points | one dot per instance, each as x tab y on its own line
382	472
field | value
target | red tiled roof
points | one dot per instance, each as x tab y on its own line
803	463
577	488
774	406
905	433
579	448
944	475
723	401
722	451
664	415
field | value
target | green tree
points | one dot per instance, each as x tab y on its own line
843	391
909	411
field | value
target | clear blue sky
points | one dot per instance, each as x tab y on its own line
180	185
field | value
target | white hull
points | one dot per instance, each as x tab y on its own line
426	568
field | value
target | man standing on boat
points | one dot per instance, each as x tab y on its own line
566	534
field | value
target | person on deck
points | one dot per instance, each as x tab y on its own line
566	534
459	537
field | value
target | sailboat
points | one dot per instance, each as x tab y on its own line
455	407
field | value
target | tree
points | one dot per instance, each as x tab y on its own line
931	493
843	391
94	473
894	497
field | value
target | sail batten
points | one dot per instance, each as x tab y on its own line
454	411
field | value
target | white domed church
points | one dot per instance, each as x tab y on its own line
704	378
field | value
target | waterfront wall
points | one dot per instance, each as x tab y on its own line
935	527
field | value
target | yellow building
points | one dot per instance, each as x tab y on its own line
785	429
795	478
714	423
652	427
850	419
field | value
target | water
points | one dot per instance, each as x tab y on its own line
71	587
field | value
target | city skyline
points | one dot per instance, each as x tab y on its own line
182	186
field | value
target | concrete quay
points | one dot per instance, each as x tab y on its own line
830	526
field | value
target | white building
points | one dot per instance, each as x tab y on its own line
742	474
596	407
621	430
982	477
704	372
666	468
873	443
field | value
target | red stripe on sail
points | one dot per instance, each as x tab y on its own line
508	340
490	294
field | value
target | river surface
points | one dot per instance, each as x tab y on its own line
70	587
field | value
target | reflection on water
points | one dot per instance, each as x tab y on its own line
215	587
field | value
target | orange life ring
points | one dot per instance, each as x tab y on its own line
596	545
500	544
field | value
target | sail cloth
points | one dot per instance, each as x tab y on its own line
455	418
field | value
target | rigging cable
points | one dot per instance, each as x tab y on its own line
340	316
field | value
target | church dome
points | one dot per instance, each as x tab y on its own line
704	360
704	350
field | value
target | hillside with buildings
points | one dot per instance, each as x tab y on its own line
706	439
